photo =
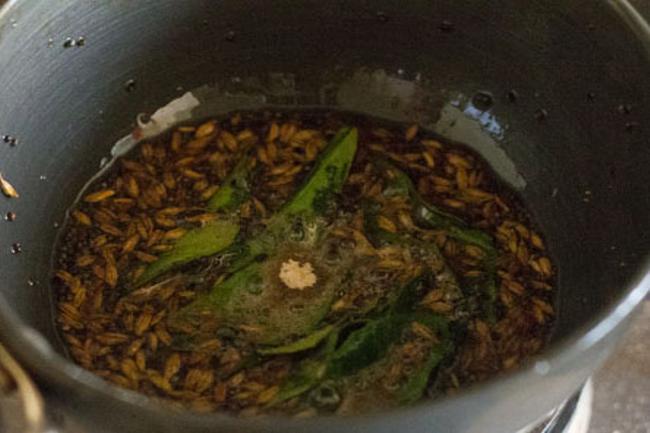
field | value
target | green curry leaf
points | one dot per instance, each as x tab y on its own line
310	372
365	346
313	198
413	389
368	344
430	216
308	342
326	179
234	302
205	241
235	189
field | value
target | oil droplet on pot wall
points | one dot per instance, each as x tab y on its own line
10	140
447	26
129	85
10	217
483	100
16	248
625	109
381	16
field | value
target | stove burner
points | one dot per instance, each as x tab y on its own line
572	417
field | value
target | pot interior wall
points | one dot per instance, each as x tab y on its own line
585	163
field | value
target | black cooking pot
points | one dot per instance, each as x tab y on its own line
566	124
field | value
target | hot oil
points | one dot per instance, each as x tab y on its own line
147	199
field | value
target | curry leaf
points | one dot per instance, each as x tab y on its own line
230	300
413	389
308	342
400	184
312	199
327	178
379	236
309	375
432	217
365	346
376	234
248	279
205	241
369	343
310	372
235	189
